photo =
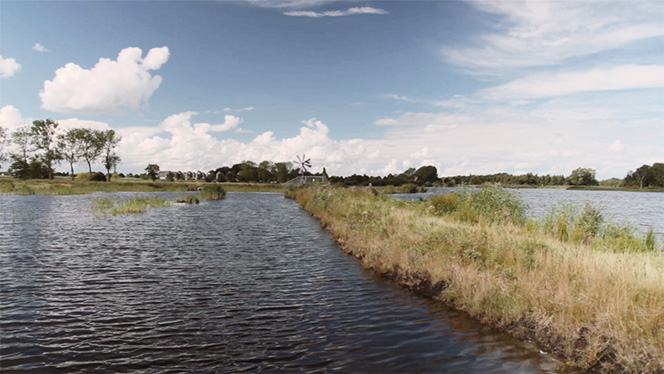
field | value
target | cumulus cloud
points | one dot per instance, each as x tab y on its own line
336	13
8	67
543	33
11	118
109	85
178	143
39	48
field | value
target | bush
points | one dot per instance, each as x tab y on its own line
93	177
213	192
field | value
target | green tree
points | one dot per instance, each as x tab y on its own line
3	142
643	176
107	142
152	171
582	177
69	147
91	143
658	174
19	168
426	174
21	138
169	176
282	171
43	139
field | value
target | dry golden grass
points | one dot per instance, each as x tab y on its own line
601	310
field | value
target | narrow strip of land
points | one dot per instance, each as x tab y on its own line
589	294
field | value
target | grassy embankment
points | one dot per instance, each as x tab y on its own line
586	290
65	186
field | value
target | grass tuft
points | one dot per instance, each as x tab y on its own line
127	206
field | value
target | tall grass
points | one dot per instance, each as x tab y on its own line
127	206
487	205
213	192
601	309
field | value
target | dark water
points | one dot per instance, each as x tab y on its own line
247	284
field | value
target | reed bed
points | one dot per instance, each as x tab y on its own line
127	206
592	297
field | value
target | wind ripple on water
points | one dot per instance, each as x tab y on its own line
249	283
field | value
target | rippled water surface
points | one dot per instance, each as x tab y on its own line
246	284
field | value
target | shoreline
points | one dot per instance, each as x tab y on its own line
565	316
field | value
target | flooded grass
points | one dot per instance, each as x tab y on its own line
583	288
114	207
213	192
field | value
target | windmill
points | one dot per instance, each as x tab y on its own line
303	163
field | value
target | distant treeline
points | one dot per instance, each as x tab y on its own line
280	172
645	176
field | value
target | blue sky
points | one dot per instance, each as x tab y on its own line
369	87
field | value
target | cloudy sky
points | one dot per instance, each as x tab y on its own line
369	87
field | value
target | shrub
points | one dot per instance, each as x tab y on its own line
93	177
213	192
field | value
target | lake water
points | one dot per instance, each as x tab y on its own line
642	210
246	284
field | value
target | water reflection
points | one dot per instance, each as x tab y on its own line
250	283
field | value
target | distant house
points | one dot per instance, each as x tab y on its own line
162	174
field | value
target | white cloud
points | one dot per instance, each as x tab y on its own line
11	118
336	13
541	33
74	123
553	137
107	86
245	109
8	67
616	146
288	3
570	82
39	48
179	144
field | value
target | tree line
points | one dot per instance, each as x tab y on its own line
245	171
645	176
39	148
280	172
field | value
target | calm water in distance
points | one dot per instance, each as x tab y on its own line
642	210
246	284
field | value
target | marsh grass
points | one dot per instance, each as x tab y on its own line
65	186
487	205
213	192
189	199
105	205
567	284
